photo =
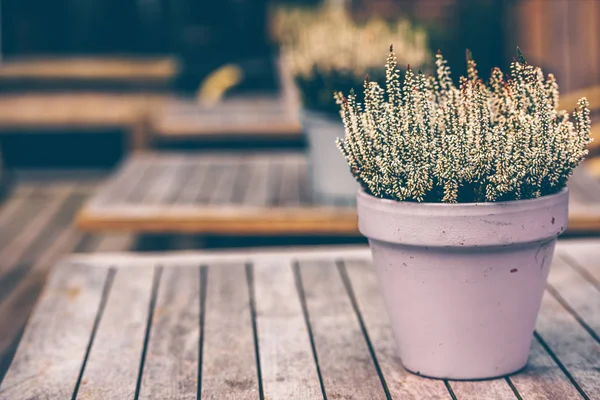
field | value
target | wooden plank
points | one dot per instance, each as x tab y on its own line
194	185
289	190
343	356
401	384
542	378
493	389
89	68
165	184
288	368
19	243
583	256
25	277
223	191
258	192
120	186
111	371
573	346
10	206
572	290
53	347
229	367
171	368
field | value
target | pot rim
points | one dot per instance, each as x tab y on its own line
485	224
488	204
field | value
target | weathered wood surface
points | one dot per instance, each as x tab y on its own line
272	325
36	229
247	194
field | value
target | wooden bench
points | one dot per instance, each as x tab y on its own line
118	72
77	111
246	195
299	324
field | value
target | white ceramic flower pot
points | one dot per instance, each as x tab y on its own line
463	283
329	174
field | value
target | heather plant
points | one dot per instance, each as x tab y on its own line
326	50
426	139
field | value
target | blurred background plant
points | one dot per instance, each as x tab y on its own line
326	49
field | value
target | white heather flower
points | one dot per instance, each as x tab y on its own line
428	140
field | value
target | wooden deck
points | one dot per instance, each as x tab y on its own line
246	195
278	325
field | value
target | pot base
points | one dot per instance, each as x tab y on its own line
469	379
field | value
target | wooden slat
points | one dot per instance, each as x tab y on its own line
19	243
288	367
496	389
78	68
119	188
571	344
257	193
228	361
401	384
542	378
166	183
194	185
171	368
111	370
584	257
289	190
25	277
571	289
54	344
343	356
223	191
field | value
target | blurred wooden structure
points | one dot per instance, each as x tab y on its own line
247	195
251	117
77	111
66	72
36	229
214	194
561	36
307	324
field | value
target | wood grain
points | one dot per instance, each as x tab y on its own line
583	256
401	384
496	389
228	362
111	370
342	352
171	367
572	345
542	378
571	289
287	364
54	343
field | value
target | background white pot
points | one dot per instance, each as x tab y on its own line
329	173
463	283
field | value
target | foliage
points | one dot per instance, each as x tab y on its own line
429	140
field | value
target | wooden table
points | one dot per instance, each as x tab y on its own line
301	324
246	195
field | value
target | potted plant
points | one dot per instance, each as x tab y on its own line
463	194
327	51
